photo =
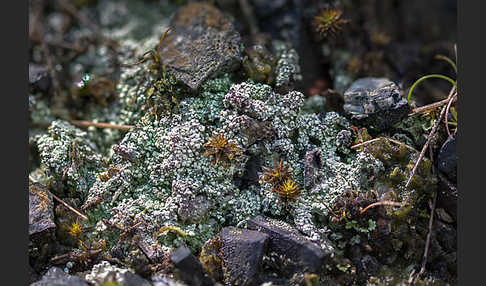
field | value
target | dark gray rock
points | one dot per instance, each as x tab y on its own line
41	215
286	241
242	251
375	103
447	160
39	78
193	210
56	277
188	268
203	43
282	19
32	274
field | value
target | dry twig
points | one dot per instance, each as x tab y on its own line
333	213
382	203
70	207
381	138
86	124
430	106
427	243
429	138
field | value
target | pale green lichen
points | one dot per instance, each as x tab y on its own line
67	154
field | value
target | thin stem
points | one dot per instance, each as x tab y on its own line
427	77
441	57
430	106
427	243
382	203
330	210
447	115
381	138
429	138
70	207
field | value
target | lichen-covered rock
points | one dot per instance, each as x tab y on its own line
170	175
375	103
41	215
67	154
203	44
242	252
104	272
286	241
56	277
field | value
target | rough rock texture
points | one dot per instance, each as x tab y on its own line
375	102
56	277
287	241
242	251
69	155
104	272
41	215
188	267
447	160
39	78
203	44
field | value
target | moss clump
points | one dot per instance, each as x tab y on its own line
210	258
260	63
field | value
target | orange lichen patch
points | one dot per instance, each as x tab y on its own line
278	174
222	149
43	198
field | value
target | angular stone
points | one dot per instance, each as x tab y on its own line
188	268
56	277
202	44
41	215
39	78
375	103
286	241
447	159
242	251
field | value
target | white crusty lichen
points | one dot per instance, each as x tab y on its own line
68	155
165	180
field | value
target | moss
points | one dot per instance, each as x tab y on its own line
210	258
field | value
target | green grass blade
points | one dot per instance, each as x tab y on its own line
451	62
427	77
